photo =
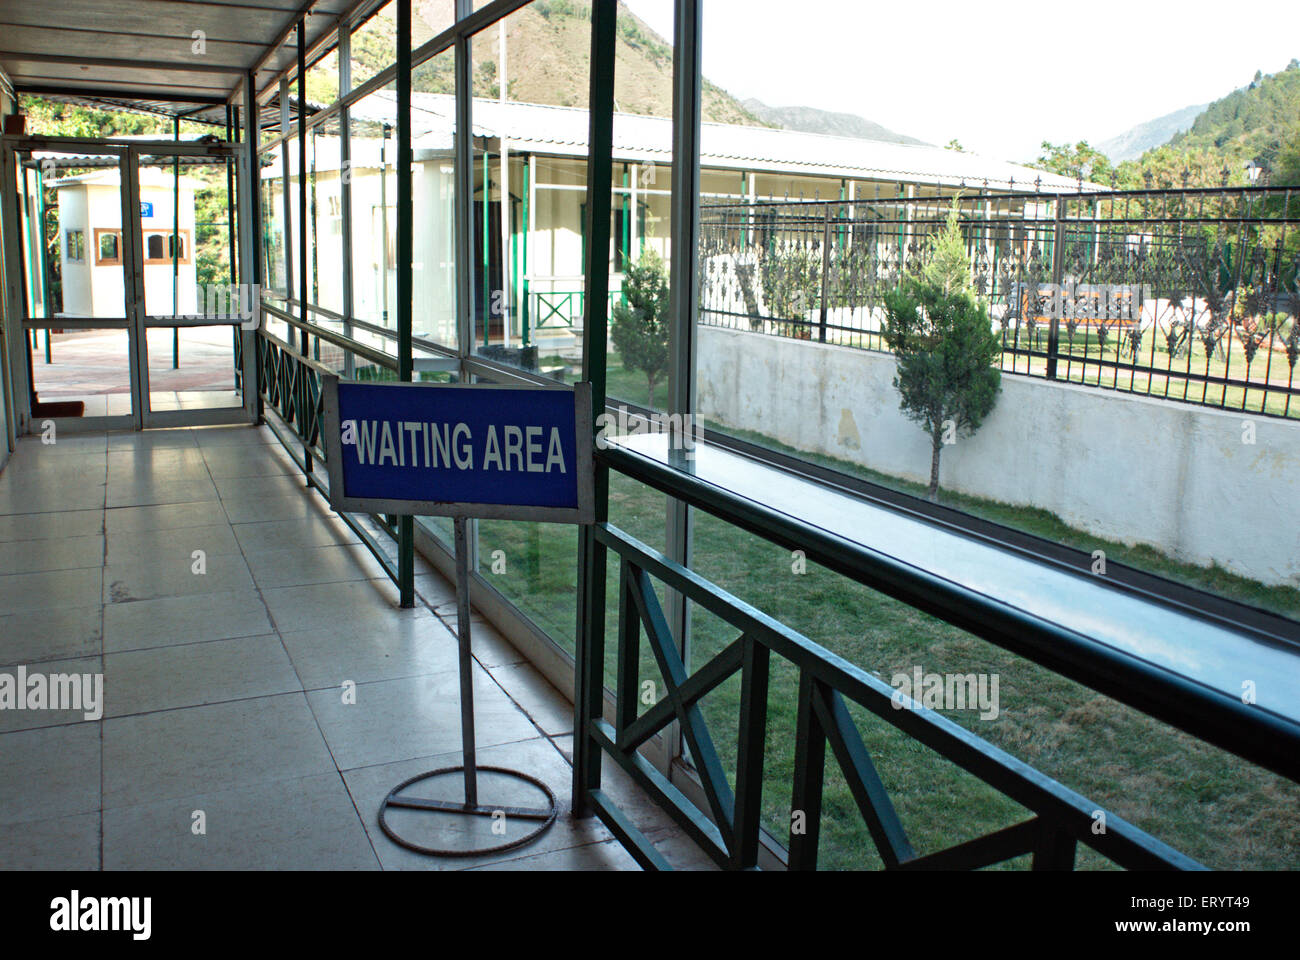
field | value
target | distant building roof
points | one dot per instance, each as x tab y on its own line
149	177
562	131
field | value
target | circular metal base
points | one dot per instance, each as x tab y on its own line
546	816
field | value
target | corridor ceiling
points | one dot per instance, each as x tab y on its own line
143	54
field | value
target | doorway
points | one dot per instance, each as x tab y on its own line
131	314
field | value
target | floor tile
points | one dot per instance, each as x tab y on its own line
68	843
180	753
290	534
214	671
307	565
163	516
288	506
173	574
35	556
49	773
51	526
547	707
363	603
53	633
145	546
413	717
188	619
326	657
303	824
34	591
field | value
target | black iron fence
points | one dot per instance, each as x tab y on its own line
1190	295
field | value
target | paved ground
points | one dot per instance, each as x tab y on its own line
93	366
225	691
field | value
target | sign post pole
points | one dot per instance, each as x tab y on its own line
462	451
466	664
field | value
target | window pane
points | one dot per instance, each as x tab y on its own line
528	202
433	185
374	207
374	45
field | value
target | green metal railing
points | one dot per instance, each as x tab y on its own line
729	831
563	308
289	386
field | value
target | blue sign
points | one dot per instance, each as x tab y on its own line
459	450
146	209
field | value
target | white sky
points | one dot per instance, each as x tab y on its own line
1000	76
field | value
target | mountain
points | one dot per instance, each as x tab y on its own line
548	48
1134	142
1259	122
812	120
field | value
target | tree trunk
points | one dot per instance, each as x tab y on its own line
651	384
936	449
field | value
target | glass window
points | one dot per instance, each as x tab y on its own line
433	188
272	232
374	44
108	247
76	243
373	179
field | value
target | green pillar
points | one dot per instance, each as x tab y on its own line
45	260
487	246
405	279
528	239
176	247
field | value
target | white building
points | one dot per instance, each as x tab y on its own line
90	244
529	262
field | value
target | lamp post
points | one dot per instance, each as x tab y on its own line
1253	172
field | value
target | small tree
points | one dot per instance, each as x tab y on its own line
947	264
946	352
640	327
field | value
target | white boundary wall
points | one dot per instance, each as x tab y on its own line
1128	468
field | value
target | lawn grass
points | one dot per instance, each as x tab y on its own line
1211	805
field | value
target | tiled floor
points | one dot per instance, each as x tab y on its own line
260	698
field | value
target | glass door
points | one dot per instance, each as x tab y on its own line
197	320
77	368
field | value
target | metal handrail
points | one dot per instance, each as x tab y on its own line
1062	819
1255	734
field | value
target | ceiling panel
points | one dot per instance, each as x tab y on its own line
124	46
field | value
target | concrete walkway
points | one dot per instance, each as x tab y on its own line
227	739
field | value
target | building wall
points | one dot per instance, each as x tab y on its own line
1131	469
6	106
76	275
97	290
157	276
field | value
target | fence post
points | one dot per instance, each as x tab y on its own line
826	269
1058	271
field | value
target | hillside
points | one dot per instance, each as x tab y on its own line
812	120
547	53
1257	122
1134	142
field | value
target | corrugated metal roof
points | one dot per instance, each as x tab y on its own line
562	131
64	158
140	54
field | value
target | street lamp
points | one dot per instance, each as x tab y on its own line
1253	171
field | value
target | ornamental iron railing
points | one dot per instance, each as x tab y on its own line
1190	295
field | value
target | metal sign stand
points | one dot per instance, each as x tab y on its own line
469	768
